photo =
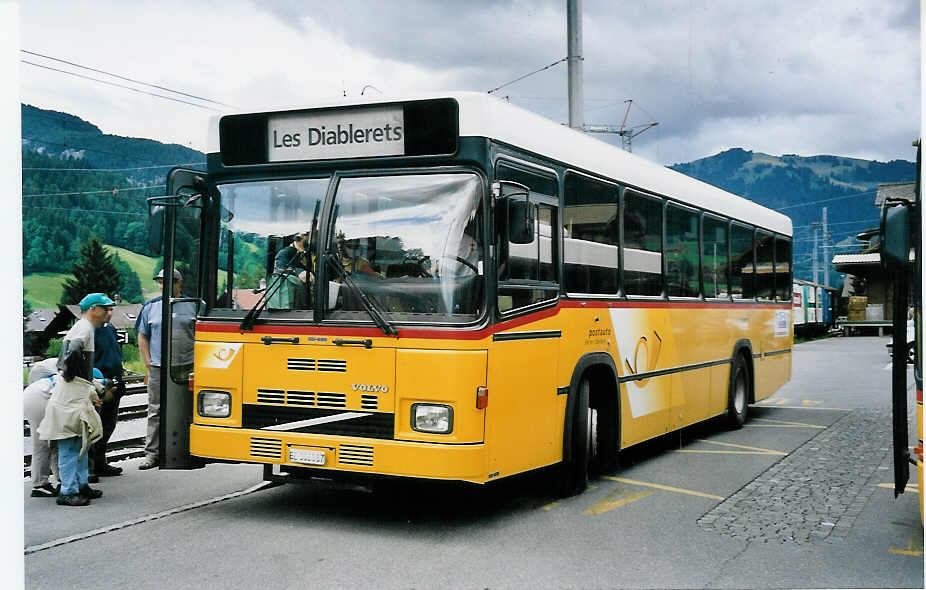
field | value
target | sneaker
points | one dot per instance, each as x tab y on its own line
90	493
44	491
93	478
149	463
72	500
109	471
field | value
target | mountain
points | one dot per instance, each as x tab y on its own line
801	187
82	182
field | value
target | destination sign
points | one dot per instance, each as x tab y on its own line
331	134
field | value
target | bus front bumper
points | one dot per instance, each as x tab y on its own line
462	462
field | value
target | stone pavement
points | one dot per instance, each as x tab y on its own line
815	493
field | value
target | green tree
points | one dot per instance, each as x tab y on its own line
129	284
93	272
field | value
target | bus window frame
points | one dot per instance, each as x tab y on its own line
620	253
662	247
328	229
790	241
755	262
538	198
215	213
665	238
752	230
725	222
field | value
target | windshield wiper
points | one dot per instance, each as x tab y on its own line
368	302
248	322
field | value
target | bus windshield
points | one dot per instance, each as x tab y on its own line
412	244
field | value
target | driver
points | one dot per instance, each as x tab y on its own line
293	261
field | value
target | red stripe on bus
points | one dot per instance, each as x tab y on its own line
487	332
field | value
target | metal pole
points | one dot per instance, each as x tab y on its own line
826	260
816	277
574	57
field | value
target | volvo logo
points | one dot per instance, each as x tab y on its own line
373	388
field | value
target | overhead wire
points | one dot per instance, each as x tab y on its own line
25	61
125	78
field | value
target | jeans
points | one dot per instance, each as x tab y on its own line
72	467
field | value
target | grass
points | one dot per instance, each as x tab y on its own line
44	289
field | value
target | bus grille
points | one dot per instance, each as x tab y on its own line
355	455
332	366
267	448
299	398
331	399
300	364
271	396
369	402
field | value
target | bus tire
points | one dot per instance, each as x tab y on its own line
572	473
738	396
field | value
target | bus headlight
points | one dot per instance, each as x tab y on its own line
214	404
433	418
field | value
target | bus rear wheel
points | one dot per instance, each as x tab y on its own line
738	402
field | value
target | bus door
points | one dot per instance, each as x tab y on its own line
523	359
175	222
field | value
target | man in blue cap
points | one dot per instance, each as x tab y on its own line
70	417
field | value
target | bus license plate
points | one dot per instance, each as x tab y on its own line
307	457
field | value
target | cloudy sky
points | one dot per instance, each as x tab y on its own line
786	76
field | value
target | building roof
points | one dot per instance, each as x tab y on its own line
895	190
39	319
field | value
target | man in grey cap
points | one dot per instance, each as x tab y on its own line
148	328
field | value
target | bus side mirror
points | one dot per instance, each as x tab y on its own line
155	228
520	222
895	237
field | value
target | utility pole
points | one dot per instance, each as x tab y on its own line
574	57
816	276
826	260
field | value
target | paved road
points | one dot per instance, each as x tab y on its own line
794	499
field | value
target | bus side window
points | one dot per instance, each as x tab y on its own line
765	265
682	258
742	278
527	272
642	244
590	235
783	268
714	257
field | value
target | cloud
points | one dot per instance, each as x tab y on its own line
787	76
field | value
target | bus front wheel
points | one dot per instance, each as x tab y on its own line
738	401
572	474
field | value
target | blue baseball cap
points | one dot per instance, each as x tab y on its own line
95	299
97	374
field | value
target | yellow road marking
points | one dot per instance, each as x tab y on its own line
747	447
811	402
550	506
787	423
914	547
615	500
911	487
662	487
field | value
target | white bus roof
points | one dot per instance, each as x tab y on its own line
483	115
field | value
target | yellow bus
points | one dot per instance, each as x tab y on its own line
450	287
